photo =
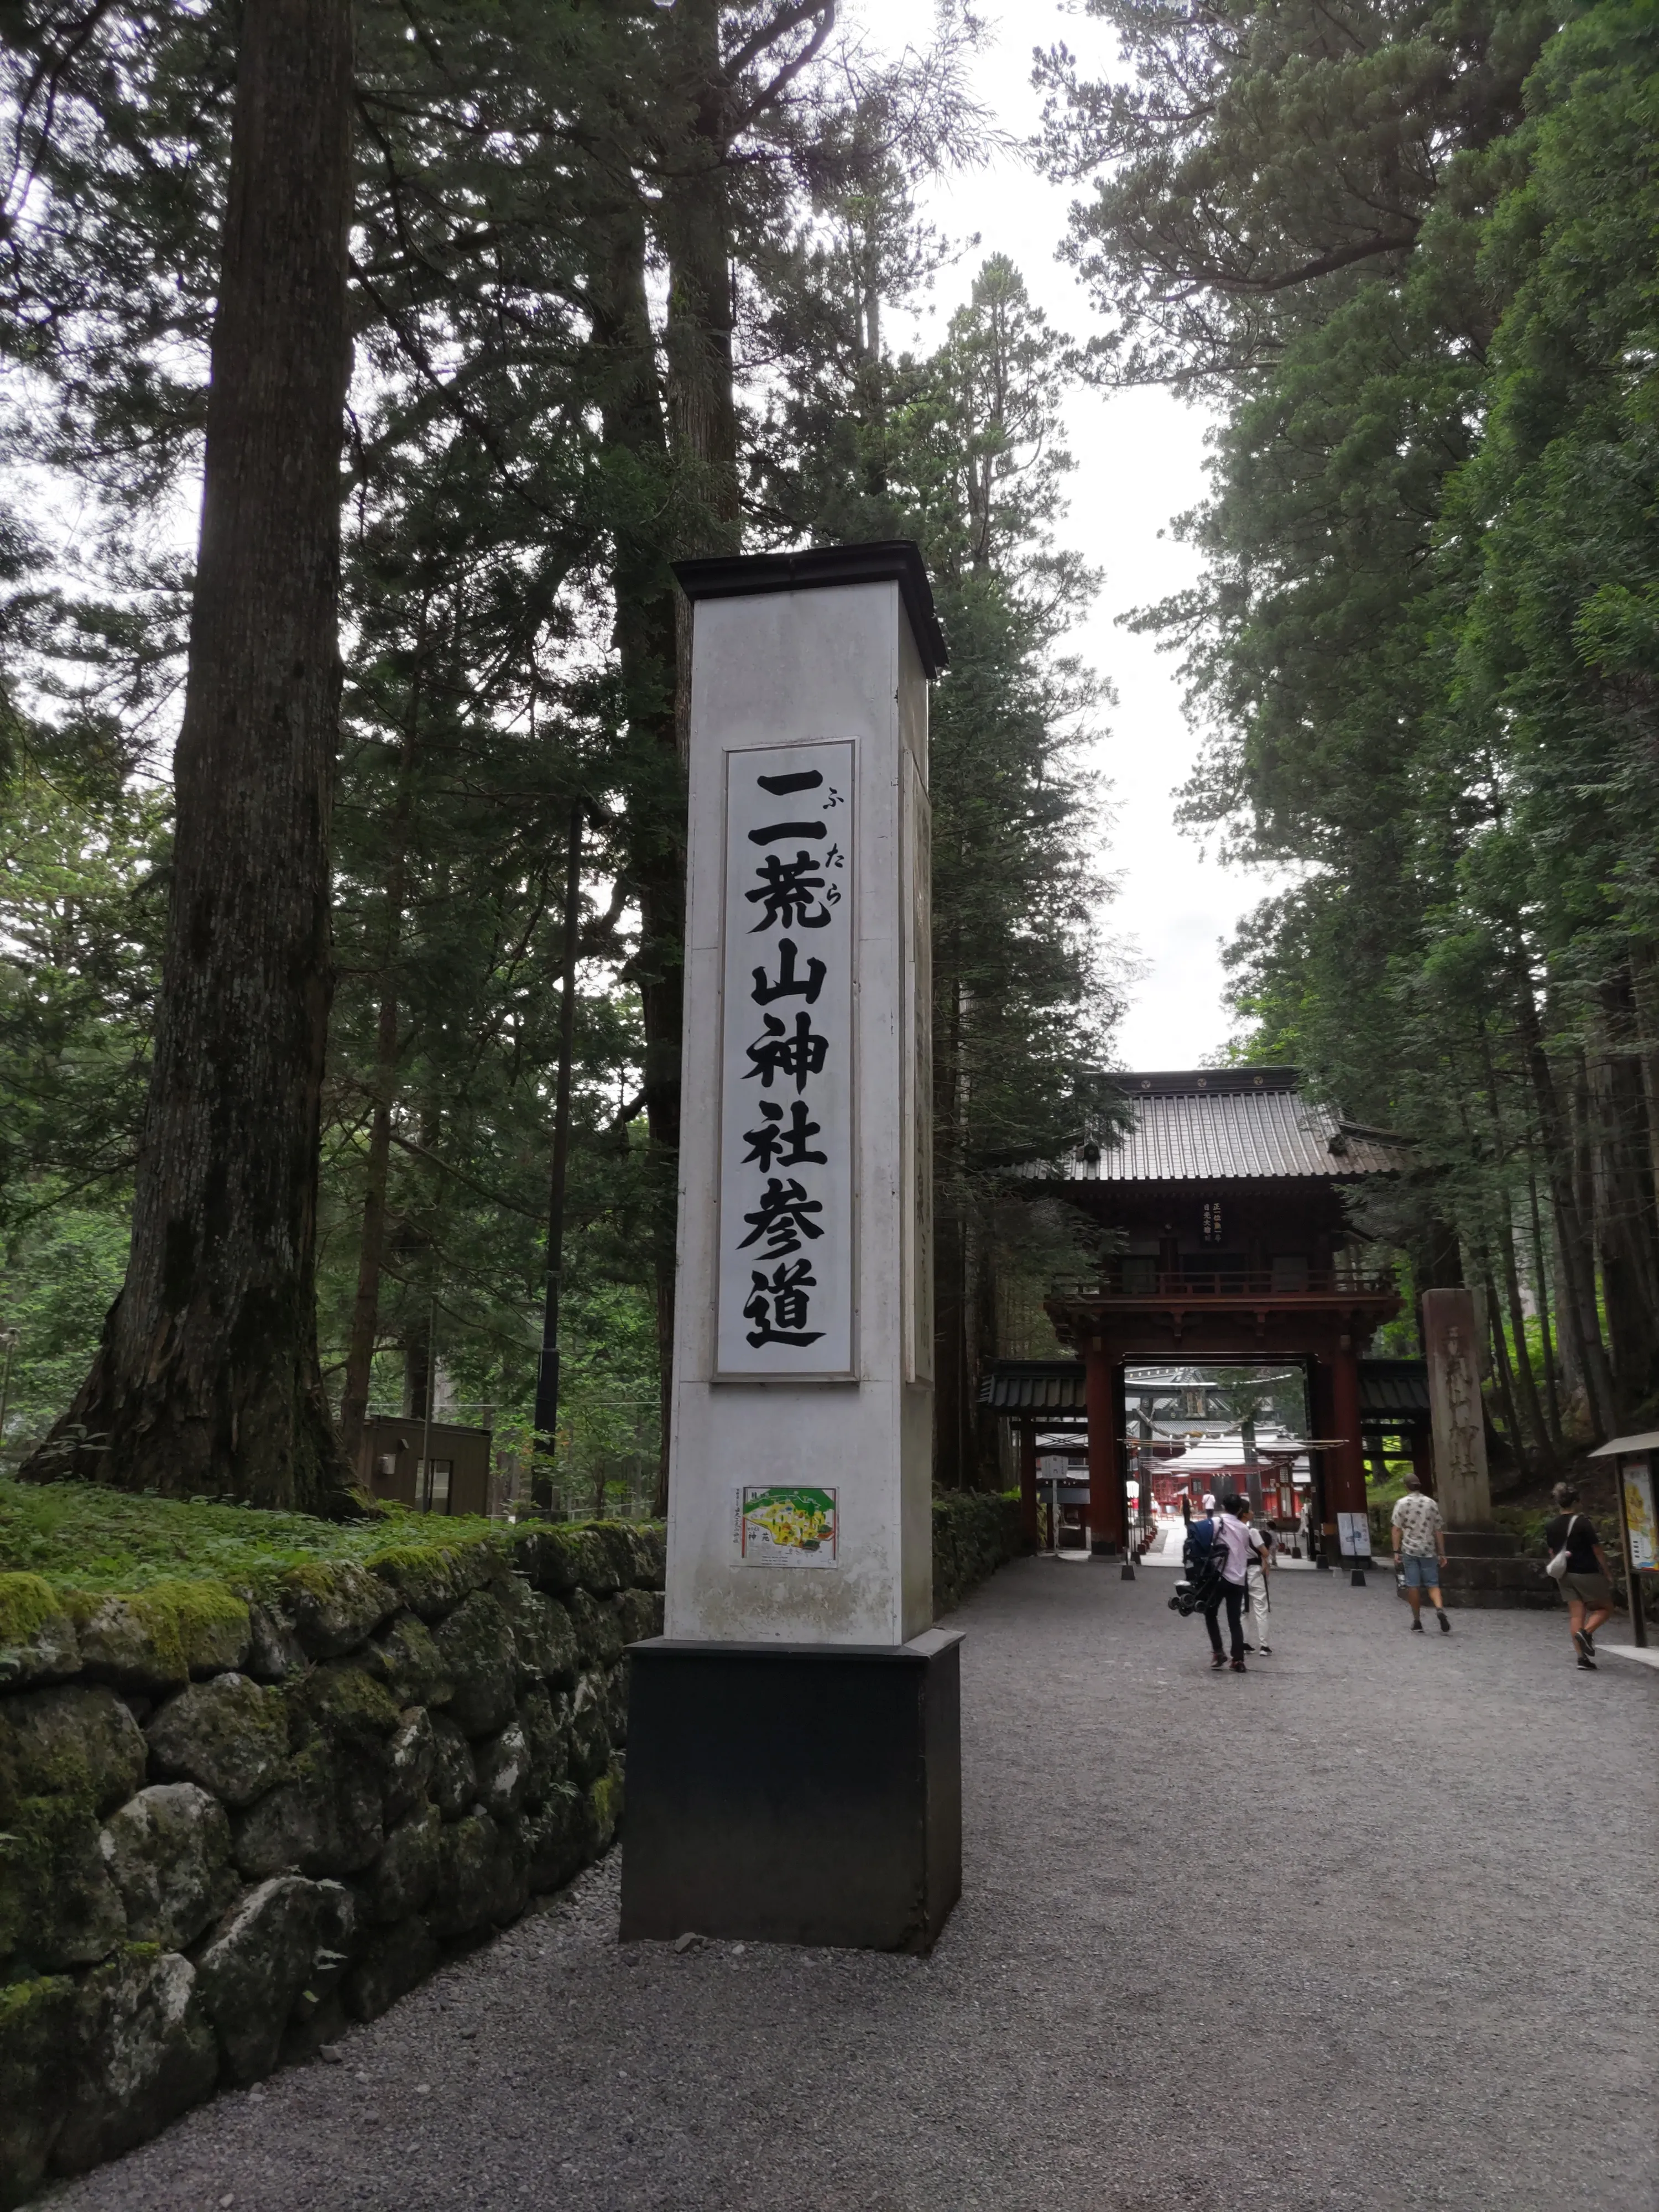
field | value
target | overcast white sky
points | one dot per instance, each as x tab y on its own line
1139	459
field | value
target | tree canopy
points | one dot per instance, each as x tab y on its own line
1410	251
618	285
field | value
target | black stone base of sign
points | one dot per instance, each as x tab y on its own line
793	1792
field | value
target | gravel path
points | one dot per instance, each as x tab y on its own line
1332	1935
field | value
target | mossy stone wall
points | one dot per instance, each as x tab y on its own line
232	1820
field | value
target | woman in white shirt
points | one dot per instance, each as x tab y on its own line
1257	1566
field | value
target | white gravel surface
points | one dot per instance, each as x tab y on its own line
1371	1926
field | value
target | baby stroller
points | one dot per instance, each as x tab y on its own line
1194	1592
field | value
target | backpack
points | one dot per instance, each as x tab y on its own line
1200	1542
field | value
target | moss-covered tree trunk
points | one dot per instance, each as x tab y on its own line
207	1378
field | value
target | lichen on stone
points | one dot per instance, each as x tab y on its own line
167	1851
37	1635
76	1740
230	1734
40	2041
158	1637
478	1654
336	1605
432	1579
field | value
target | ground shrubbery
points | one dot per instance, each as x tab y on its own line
974	1533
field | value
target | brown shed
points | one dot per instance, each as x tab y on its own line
390	1464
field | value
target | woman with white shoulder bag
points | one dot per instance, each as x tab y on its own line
1579	1564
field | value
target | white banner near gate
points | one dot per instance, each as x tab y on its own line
1354	1535
787	1245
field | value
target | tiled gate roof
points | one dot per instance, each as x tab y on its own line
1214	1125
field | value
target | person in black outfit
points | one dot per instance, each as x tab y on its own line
1587	1585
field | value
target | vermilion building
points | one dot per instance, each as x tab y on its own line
1226	1197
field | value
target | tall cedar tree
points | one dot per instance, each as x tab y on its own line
1411	260
207	1377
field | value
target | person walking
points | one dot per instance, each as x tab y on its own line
1419	1550
1200	1535
1234	1538
1305	1528
1258	1566
1587	1585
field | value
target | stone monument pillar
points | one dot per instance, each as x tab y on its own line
1452	1351
792	1763
1483	1566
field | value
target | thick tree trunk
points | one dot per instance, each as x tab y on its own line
635	436
695	222
208	1377
1644	988
1541	1288
952	1415
1505	1381
1526	1384
371	1251
1576	1302
984	1349
1624	1217
698	334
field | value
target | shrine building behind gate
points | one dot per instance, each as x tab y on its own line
1226	1197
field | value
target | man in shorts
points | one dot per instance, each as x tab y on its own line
1419	1551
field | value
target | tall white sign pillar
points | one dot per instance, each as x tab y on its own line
799	1604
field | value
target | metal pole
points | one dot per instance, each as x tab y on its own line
431	1393
544	1443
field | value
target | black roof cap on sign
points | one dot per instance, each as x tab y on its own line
891	561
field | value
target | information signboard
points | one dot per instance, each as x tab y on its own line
1636	1476
781	1525
1354	1535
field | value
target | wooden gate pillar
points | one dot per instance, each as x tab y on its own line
1027	1489
1106	1530
1346	1466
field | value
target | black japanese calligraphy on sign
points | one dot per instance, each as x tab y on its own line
778	1305
778	1143
781	1052
788	894
789	985
786	1176
782	1218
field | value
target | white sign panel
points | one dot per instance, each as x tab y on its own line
1354	1535
785	1296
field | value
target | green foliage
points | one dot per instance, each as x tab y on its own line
74	1536
1414	250
78	1537
974	1533
532	439
64	1268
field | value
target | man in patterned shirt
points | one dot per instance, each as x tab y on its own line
1419	1548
